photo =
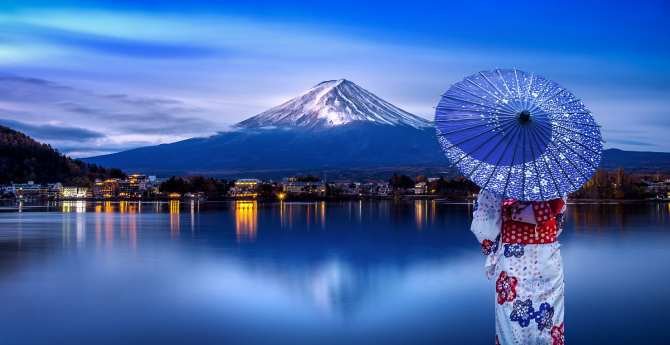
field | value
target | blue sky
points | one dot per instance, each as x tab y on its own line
96	77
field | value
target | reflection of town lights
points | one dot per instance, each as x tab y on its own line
174	218
419	213
74	206
246	221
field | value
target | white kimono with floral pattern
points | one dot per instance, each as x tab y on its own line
529	280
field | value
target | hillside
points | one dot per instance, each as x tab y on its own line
23	159
638	161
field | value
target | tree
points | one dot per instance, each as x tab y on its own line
401	182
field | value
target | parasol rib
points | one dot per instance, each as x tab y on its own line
500	141
511	111
516	129
477	104
553	178
537	171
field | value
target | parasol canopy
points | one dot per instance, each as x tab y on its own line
518	135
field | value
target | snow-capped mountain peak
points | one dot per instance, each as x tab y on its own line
332	103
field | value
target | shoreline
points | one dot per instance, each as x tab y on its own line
10	205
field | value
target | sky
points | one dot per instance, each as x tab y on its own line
94	77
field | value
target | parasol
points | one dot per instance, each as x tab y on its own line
518	135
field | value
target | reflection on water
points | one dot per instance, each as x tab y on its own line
425	212
174	218
78	206
246	220
398	273
583	217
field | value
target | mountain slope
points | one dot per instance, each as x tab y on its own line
333	103
636	160
23	159
358	145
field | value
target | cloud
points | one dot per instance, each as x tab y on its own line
150	116
52	132
102	122
633	142
104	44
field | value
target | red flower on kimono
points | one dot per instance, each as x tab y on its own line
506	288
486	246
557	335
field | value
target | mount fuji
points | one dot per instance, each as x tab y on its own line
334	103
336	127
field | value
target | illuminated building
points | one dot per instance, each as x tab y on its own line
74	192
28	190
54	190
134	186
245	188
421	188
106	189
296	186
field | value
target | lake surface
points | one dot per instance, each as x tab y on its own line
365	272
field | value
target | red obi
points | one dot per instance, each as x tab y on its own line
530	222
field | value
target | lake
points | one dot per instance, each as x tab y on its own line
368	272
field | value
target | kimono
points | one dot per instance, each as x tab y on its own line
519	240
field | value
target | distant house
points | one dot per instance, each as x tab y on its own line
29	190
54	190
421	188
660	189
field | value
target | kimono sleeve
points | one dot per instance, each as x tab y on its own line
558	208
547	210
487	221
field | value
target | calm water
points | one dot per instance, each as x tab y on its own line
308	273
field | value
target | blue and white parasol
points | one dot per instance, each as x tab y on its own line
518	134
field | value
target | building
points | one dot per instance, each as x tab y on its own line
380	189
133	187
74	192
245	188
106	189
54	190
139	183
421	188
660	189
29	190
297	186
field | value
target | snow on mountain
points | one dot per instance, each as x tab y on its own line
332	103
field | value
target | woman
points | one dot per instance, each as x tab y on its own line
523	255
